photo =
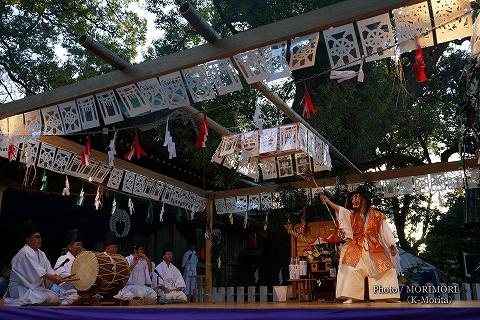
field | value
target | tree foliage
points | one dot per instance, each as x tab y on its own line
39	47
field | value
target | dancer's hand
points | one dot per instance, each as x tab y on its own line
393	250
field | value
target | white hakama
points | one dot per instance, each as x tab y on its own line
139	282
170	278
351	280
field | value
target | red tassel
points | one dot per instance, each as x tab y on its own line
86	151
307	104
135	148
419	66
11	152
202	135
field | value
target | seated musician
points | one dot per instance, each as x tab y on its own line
168	280
139	282
66	291
30	270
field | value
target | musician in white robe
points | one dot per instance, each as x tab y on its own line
189	265
168	280
63	267
30	270
139	283
370	251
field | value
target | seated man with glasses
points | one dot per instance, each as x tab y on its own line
30	271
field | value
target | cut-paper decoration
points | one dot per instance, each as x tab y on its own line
242	204
30	152
303	138
149	188
287	137
405	185
438	182
302	162
109	107
230	204
253	202
174	91
266	201
228	145
250	144
62	158
100	173
285	166
390	189
377	37
152	92
276	58
231	160
475	41
302	51
70	117
422	184
216	158
115	178
168	194
252	169
74	166
342	46
46	156
269	168
413	27
52	121
16	125
268	140
157	190
139	185
444	11
198	83
253	65
88	112
33	123
133	103
224	76
128	181
220	206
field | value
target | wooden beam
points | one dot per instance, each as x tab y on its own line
357	178
313	21
120	164
208	253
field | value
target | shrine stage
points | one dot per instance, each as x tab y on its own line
464	310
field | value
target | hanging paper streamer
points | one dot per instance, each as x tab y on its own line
361	74
230	217
130	206
44	180
162	211
308	107
280	277
419	66
98	199
135	148
219	262
245	220
203	133
111	149
149	213
66	190
257	275
303	222
265	223
114	205
86	151
169	143
207	233
11	152
81	197
257	117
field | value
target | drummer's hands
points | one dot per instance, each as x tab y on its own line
323	198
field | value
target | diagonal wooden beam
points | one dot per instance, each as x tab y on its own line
120	164
356	178
313	21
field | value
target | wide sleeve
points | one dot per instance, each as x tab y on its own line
185	259
387	239
179	282
61	271
344	221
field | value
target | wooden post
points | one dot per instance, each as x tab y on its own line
208	253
